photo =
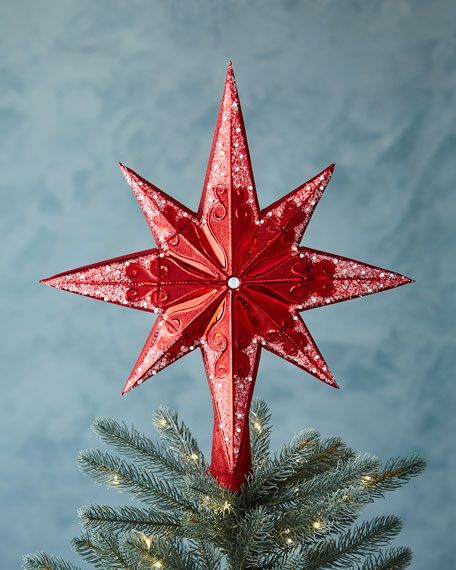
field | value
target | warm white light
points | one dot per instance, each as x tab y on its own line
148	541
257	426
316	524
115	481
158	564
367	478
194	456
226	506
289	541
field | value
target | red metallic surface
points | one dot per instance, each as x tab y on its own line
185	282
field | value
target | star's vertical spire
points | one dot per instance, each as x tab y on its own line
229	205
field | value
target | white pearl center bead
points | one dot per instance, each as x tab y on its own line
233	282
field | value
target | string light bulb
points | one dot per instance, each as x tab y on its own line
226	506
288	540
317	524
158	564
194	457
257	426
115	480
147	540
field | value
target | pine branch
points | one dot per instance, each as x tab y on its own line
206	555
323	455
210	497
260	430
254	538
346	473
313	520
112	471
86	549
393	559
215	523
292	561
361	541
127	518
395	473
151	552
278	469
280	559
42	561
305	457
101	550
138	447
179	438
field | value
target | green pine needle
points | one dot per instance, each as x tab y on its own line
41	561
128	518
137	446
393	559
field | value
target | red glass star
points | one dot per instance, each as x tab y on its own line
229	280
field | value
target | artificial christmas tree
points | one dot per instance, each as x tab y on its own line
232	280
296	511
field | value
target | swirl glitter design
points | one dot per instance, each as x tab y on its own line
184	282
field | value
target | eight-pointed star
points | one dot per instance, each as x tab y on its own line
231	280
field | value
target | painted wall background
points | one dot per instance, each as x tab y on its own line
84	84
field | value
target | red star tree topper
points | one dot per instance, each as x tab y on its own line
230	280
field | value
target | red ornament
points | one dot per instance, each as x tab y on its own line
229	280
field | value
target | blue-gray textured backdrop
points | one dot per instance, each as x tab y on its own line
84	84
